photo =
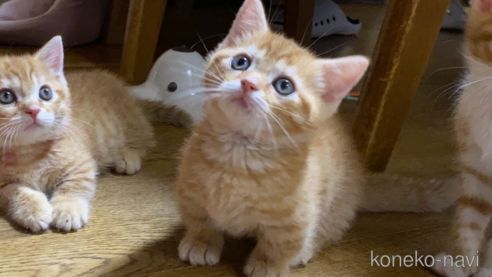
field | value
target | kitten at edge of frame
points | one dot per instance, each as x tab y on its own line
57	131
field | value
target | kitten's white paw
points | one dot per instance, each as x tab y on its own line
483	272
198	253
70	214
31	210
302	258
130	163
258	268
446	270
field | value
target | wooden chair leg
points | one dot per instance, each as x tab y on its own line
144	23
114	31
298	20
403	49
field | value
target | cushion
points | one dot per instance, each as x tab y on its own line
33	23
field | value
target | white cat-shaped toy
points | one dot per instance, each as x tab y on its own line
176	79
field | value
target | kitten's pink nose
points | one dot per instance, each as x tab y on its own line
32	112
248	86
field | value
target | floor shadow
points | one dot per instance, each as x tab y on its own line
162	257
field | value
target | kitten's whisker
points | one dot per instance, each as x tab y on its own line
334	48
448	87
257	133
444	68
195	44
289	112
218	70
16	132
82	121
269	11
474	59
273	16
9	124
203	43
9	134
320	37
473	82
305	30
6	125
270	129
208	52
69	131
282	126
194	91
215	81
205	72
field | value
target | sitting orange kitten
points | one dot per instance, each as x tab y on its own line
271	160
57	131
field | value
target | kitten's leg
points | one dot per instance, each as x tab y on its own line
71	197
130	162
276	249
312	244
27	207
202	244
473	211
485	269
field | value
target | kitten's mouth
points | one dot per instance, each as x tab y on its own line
243	101
32	126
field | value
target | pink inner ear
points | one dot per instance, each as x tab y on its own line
52	55
250	18
341	75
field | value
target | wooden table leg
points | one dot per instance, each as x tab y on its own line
144	23
298	21
404	46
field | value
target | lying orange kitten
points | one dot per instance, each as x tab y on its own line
56	132
271	160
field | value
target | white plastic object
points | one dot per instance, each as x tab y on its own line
329	19
176	78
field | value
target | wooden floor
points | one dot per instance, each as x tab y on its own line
134	229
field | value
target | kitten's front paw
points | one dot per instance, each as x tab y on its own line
302	258
258	268
130	163
70	214
446	270
199	253
31	210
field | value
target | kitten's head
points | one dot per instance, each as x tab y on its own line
479	30
262	83
34	97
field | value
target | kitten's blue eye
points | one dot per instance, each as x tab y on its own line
284	86
45	93
7	97
240	63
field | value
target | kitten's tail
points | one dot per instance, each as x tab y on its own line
168	114
385	193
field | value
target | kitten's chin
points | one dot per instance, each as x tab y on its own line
33	134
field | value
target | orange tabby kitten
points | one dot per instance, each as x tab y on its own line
271	160
57	131
473	127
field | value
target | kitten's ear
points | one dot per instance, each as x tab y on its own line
52	55
250	19
339	76
484	6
